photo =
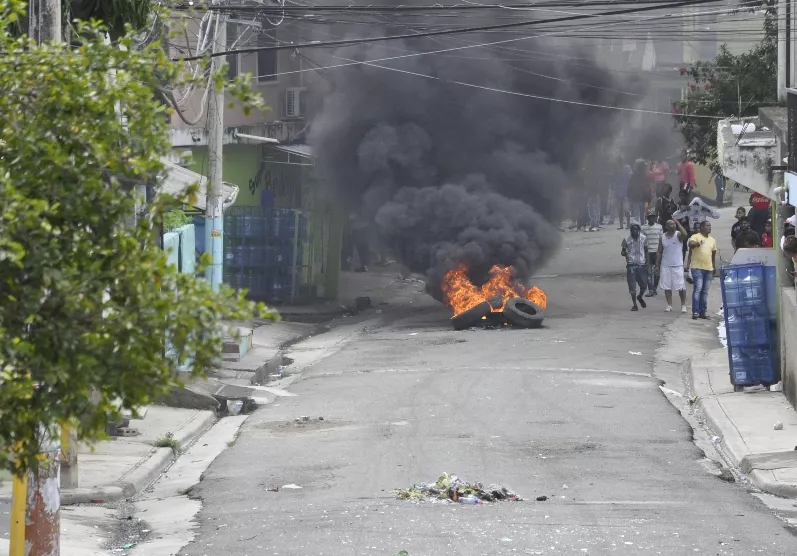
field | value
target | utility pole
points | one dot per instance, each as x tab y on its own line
40	533
44	20
214	217
782	48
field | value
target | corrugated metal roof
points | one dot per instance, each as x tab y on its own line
177	179
297	149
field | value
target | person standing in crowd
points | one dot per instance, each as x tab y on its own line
634	249
703	268
670	263
766	237
594	206
665	206
719	184
658	175
741	215
639	190
789	247
683	210
759	213
652	231
621	194
686	173
698	212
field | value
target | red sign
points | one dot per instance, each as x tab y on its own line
759	202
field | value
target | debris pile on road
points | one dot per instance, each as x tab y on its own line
450	488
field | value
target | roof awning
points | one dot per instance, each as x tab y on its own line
297	149
176	180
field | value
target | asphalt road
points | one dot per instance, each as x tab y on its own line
570	412
5	517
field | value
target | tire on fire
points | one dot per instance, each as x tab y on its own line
524	313
472	316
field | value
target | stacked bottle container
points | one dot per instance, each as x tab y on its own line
262	251
751	350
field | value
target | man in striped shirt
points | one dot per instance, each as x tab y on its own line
634	249
652	230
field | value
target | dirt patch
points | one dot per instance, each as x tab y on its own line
314	424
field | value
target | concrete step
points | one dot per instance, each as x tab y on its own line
260	362
237	345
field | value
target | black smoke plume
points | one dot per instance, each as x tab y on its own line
451	174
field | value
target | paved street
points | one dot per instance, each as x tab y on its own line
573	404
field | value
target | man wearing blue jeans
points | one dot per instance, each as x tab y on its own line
635	249
703	264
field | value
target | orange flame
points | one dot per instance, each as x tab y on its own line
461	294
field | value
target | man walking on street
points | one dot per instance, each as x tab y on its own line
665	206
703	257
621	194
686	173
652	231
634	249
670	263
658	174
639	190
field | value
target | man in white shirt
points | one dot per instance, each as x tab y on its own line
670	263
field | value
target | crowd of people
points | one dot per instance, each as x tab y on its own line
631	192
675	245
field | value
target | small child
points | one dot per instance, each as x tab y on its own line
766	237
652	230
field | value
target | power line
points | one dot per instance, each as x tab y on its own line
495	45
317	44
537	97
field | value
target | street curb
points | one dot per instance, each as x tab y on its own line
147	471
733	445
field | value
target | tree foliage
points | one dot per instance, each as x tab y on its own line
115	15
88	302
729	85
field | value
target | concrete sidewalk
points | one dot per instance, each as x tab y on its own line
745	422
123	466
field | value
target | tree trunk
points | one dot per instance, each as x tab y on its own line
42	517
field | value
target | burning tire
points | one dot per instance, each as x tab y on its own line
522	312
472	316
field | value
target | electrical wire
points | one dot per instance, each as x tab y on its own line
493	44
537	97
347	42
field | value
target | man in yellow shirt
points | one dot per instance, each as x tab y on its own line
702	257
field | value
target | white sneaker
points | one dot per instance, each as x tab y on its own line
669	308
683	309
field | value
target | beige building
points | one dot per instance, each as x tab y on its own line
265	155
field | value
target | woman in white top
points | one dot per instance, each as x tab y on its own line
670	263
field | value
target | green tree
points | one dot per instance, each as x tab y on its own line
88	302
113	14
729	85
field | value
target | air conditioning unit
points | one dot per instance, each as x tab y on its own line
295	102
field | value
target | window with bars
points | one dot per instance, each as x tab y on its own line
232	59
267	60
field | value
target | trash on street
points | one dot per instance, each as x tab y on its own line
450	488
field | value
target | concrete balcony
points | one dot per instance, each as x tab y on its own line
747	156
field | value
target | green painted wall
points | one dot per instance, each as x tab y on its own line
242	167
254	168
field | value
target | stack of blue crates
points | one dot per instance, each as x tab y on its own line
263	250
748	325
